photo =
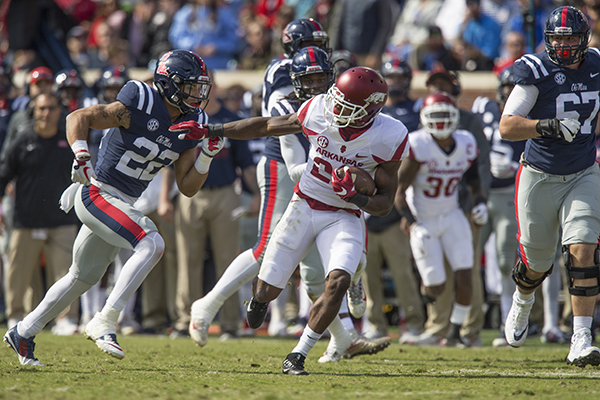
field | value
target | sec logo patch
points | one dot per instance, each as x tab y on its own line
152	125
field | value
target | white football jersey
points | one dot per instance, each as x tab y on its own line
386	140
433	191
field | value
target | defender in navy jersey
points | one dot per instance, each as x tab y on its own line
297	34
555	106
131	154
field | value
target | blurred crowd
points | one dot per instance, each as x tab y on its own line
113	36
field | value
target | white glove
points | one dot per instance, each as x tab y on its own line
479	214
569	128
502	166
67	199
210	147
82	170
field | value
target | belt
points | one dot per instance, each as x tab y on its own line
551	177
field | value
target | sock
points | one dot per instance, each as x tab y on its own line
459	313
110	313
340	337
241	270
525	298
145	256
59	296
582	322
307	341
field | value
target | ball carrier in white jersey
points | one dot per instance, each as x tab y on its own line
554	105
344	127
137	146
440	155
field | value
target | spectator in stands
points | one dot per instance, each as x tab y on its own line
99	55
434	52
257	55
285	15
40	81
519	23
412	27
40	160
469	57
364	29
77	46
135	27
266	11
342	60
208	28
157	35
514	48
109	12
502	11
481	31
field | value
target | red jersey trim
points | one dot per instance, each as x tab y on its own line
320	206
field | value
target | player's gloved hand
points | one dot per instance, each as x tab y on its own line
82	170
211	146
479	214
343	187
565	129
190	130
502	166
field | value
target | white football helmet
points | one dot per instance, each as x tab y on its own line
439	115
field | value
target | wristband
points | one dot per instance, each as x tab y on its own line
215	130
406	213
202	163
360	200
80	147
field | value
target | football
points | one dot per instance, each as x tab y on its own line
363	182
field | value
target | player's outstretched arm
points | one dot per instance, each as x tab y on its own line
191	172
243	129
100	116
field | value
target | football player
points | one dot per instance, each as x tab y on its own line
554	105
137	147
428	201
504	162
344	127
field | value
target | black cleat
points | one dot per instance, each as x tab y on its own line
294	364
256	313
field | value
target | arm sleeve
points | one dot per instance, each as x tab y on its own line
521	100
294	156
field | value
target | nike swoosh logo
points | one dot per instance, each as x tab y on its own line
594	75
359	156
520	336
85	172
342	192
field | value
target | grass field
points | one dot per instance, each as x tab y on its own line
156	367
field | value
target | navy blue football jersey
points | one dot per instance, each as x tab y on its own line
489	112
272	147
277	76
563	93
406	112
128	159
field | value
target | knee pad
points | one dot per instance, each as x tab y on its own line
523	281
582	273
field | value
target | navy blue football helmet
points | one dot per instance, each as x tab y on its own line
506	83
310	60
399	68
69	87
303	30
111	81
177	73
567	21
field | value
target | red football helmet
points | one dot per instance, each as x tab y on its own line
356	98
439	115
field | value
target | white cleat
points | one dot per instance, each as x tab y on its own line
517	321
103	333
582	352
357	299
335	351
199	331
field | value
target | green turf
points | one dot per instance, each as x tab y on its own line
156	367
